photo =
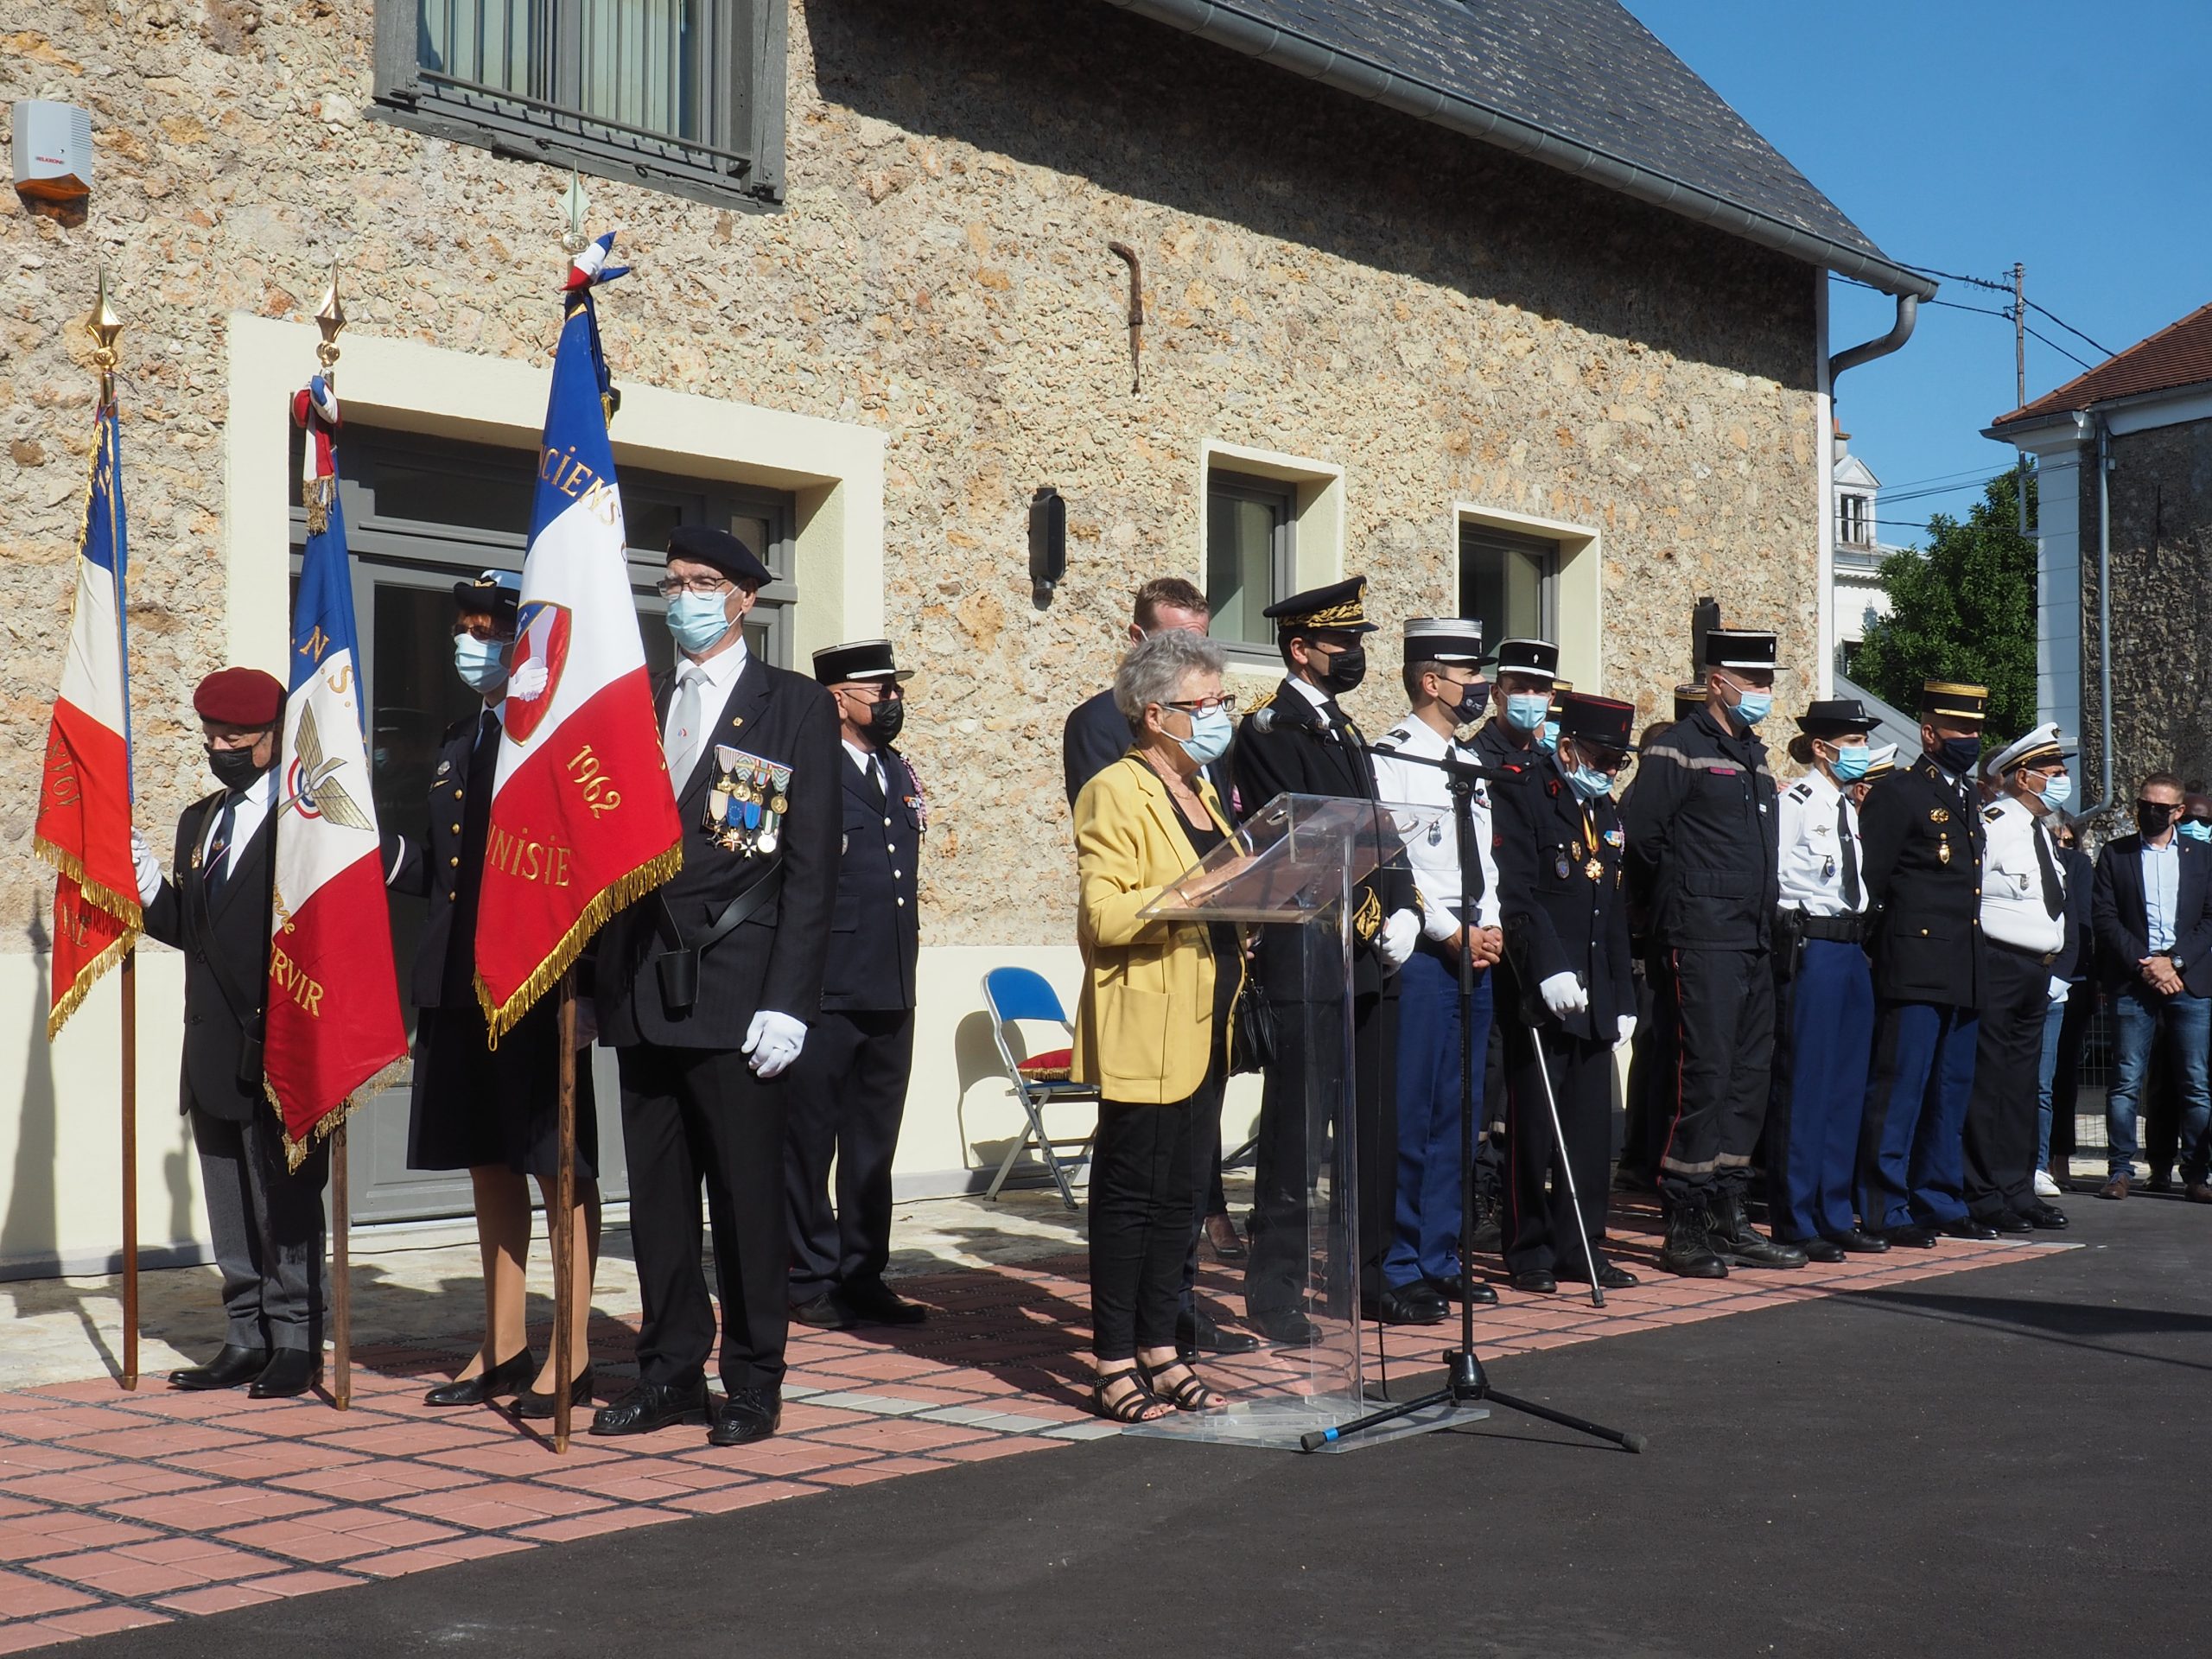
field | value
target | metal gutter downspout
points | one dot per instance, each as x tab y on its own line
2104	609
1900	332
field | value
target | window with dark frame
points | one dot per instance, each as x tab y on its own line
1251	554
1510	583
685	95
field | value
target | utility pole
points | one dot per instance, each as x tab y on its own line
2020	378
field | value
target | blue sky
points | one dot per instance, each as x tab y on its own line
1963	135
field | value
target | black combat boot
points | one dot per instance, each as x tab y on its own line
1737	1242
1688	1250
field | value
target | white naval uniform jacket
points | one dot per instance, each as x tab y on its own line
2012	909
1810	849
1432	850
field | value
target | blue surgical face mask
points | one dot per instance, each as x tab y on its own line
1208	738
2196	829
697	620
2060	789
1589	783
1525	710
1956	755
1548	737
481	663
1752	707
1851	762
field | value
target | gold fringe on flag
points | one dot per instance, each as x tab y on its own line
298	1152
124	910
502	1018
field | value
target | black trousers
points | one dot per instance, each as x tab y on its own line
1650	1077
1299	1109
1142	1206
2066	1076
1539	1221
2003	1111
692	1116
847	1095
1723	1007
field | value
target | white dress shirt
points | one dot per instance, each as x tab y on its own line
717	678
2161	893
2012	908
1433	849
1811	847
253	806
869	763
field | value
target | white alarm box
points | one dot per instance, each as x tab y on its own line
53	150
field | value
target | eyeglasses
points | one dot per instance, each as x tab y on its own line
670	587
888	692
1226	703
487	631
1599	760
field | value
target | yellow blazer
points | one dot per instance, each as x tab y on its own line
1144	1029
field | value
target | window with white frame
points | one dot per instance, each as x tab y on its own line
685	95
1853	523
1251	553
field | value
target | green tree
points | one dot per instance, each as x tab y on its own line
1962	609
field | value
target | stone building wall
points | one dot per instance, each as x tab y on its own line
1323	278
2161	507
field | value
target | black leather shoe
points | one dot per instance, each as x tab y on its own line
651	1406
532	1404
747	1415
1967	1227
509	1377
1688	1252
1415	1304
824	1312
232	1368
1480	1291
1608	1276
1285	1327
1196	1334
290	1372
1816	1249
1738	1243
1859	1244
2009	1221
2047	1217
2162	1180
1908	1237
1536	1281
876	1303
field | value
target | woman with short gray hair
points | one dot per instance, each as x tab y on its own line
1152	1030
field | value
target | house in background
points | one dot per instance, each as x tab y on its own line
2123	457
1855	581
1498	303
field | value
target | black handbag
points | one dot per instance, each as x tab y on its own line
1253	1039
678	969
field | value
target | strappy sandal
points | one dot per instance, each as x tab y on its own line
1139	1405
1190	1395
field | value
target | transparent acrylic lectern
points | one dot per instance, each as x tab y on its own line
1294	869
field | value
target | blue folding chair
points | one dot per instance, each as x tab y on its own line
1013	995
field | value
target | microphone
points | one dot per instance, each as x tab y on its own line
1263	721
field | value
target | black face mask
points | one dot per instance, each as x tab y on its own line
1957	754
885	719
234	769
2152	817
1472	700
1345	671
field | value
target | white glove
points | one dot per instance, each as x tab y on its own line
1398	938
528	681
147	869
1563	994
2059	989
1627	1030
775	1042
586	1022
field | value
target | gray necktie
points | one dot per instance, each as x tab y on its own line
684	728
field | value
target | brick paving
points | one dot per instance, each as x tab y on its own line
120	1510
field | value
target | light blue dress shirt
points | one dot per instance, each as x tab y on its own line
2161	893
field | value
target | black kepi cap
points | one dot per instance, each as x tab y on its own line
1454	639
862	660
1339	608
1953	700
1559	690
1537	657
1834	717
1749	649
1689	698
1607	722
703	544
495	593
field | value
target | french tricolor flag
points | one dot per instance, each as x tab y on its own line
84	804
333	1021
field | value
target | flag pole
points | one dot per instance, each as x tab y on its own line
564	1205
105	328
330	318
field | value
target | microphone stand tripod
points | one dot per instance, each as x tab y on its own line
1466	1384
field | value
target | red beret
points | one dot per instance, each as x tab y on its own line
239	696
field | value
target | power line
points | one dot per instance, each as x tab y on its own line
2007	313
2060	349
1983	310
2071	329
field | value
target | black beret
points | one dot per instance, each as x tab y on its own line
703	544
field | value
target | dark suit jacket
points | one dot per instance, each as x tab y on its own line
1920	838
225	946
448	868
2123	927
2077	962
1301	752
773	960
1095	737
875	935
1557	919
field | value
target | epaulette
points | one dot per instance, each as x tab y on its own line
1265	702
1990	813
1801	791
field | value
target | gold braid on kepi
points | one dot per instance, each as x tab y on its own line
1954	700
1367	920
1340	607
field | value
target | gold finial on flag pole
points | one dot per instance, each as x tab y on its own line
330	317
574	202
105	327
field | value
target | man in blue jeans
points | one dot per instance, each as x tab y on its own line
2152	916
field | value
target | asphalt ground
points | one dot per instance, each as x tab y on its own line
1996	1461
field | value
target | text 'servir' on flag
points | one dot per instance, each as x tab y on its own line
582	819
84	804
333	1021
